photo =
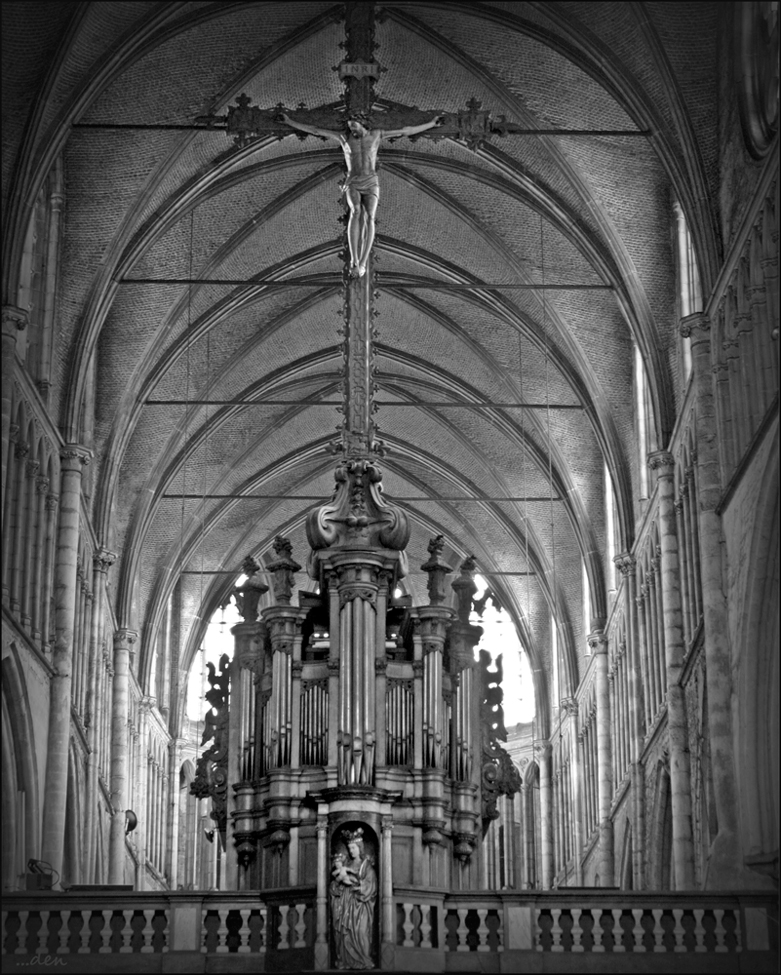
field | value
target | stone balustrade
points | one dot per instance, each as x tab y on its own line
434	931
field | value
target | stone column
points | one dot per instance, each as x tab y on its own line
73	459
527	835
175	746
598	643
680	773
388	916
123	640
101	563
542	753
570	707
627	565
725	868
321	939
14	322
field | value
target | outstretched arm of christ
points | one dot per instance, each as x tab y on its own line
311	129
413	129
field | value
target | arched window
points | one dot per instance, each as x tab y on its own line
644	422
689	287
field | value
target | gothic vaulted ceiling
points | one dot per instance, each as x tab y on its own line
146	202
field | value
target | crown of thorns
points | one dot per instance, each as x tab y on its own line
362	117
353	836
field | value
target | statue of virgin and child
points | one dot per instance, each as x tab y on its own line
353	897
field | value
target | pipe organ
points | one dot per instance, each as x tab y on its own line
356	706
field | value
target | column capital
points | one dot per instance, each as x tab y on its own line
625	562
569	706
597	641
125	638
542	749
14	320
74	456
696	327
102	560
663	462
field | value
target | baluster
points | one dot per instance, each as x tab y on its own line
719	931
105	934
408	926
222	931
147	931
283	927
555	930
42	947
577	931
263	914
678	931
637	929
85	933
425	925
21	934
300	928
537	914
244	930
599	942
127	931
618	931
462	945
500	931
658	929
482	931
62	947
699	930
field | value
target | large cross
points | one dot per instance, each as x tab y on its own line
246	123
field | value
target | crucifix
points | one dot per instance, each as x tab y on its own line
359	123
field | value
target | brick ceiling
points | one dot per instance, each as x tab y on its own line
159	203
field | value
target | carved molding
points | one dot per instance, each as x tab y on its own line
357	513
72	455
103	559
14	319
365	593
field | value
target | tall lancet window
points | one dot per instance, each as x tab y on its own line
644	422
610	536
586	607
689	288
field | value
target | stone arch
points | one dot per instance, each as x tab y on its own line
625	872
660	865
21	832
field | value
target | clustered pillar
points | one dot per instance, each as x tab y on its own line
598	644
73	459
680	773
724	870
123	641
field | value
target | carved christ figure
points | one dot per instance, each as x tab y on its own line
360	144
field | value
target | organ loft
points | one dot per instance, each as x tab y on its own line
390	486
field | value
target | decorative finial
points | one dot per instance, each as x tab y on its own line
437	569
284	567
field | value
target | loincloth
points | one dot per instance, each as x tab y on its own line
366	185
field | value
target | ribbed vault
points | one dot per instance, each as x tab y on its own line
466	238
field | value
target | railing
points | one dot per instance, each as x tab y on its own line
588	921
428	925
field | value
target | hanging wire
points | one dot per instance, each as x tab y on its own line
550	459
522	393
187	386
